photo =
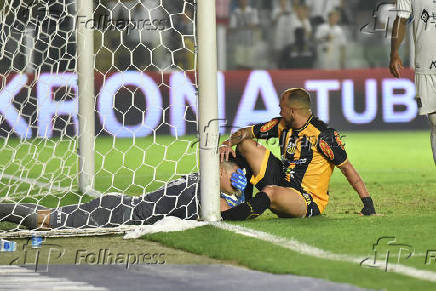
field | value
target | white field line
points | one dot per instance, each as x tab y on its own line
309	250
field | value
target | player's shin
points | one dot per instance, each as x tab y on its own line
433	143
248	210
432	118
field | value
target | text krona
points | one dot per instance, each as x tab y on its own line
182	94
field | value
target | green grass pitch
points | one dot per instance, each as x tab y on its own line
397	168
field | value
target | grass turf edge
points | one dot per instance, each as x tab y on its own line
263	256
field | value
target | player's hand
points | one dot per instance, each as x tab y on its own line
395	65
368	206
225	151
238	179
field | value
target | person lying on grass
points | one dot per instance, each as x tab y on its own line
179	198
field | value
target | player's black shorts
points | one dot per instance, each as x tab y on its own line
271	173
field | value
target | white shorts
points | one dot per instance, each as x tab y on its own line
425	93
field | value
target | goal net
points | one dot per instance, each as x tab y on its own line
141	131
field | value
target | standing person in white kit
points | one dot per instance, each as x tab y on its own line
423	17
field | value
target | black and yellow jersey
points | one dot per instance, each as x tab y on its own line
308	154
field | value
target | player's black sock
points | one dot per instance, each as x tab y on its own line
250	209
22	214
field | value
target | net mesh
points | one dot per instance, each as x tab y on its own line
145	95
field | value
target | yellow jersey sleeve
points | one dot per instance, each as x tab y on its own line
269	129
331	146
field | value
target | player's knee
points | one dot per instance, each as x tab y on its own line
270	192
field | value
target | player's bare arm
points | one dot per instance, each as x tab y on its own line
358	185
234	139
43	219
398	32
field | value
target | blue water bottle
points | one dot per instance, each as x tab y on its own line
7	246
37	241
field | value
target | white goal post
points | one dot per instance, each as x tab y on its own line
86	116
208	124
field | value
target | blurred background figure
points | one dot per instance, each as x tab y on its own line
222	22
282	20
300	53
287	19
243	27
320	9
331	42
301	20
345	12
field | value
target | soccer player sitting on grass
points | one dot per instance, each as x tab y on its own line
296	185
179	198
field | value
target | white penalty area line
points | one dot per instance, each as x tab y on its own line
305	249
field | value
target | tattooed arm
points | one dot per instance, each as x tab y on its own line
234	139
